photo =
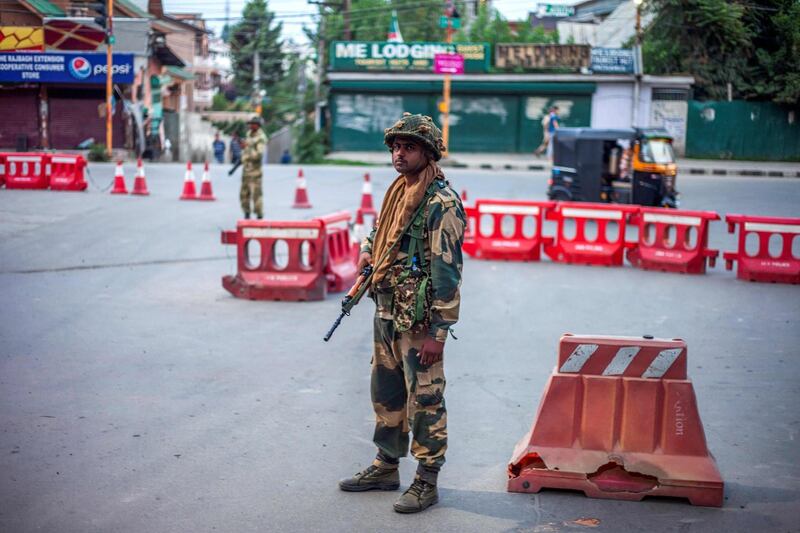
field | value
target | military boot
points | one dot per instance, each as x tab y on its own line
422	493
381	476
419	496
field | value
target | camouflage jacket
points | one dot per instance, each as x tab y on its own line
444	228
253	153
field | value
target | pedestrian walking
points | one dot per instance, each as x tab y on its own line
219	149
415	251
252	159
553	124
235	147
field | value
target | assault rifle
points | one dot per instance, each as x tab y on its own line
352	298
236	165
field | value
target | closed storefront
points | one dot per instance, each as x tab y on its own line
19	125
74	117
491	114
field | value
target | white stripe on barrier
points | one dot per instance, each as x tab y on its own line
672	219
499	209
578	357
773	228
23	159
338	225
280	233
661	363
575	212
64	159
620	363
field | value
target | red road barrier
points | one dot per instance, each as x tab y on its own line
605	248
618	420
761	265
340	267
26	171
469	232
516	244
65	172
2	169
673	241
296	273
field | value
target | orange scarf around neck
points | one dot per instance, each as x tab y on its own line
399	205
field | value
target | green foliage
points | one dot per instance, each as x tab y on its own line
257	31
230	127
97	152
309	145
753	45
491	27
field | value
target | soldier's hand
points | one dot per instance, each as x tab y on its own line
432	351
363	260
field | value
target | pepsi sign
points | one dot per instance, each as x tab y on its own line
46	67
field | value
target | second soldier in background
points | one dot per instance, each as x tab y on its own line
252	160
416	254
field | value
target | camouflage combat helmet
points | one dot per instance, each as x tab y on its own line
255	119
420	128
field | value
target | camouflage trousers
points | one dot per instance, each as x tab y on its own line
407	396
251	190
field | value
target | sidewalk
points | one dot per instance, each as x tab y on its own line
493	161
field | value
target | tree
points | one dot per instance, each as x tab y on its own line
489	26
754	46
257	31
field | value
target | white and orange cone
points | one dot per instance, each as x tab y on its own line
301	194
205	186
366	195
119	180
189	190
140	183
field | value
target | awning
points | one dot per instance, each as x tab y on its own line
180	73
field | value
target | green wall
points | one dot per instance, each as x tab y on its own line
760	131
485	116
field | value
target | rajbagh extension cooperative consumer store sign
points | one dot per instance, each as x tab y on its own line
407	57
64	68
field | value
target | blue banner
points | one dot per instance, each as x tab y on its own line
612	60
46	67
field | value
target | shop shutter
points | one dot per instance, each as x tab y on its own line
74	118
18	109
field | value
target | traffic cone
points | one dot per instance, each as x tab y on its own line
300	194
119	181
140	184
189	191
205	186
366	195
464	199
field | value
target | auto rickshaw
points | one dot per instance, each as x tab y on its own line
630	166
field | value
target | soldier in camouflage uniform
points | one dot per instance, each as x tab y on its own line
416	291
254	145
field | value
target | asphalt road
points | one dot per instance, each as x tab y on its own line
137	395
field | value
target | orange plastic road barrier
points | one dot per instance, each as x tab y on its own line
278	260
26	171
618	420
673	241
507	237
189	189
300	193
65	172
599	233
340	266
780	265
119	180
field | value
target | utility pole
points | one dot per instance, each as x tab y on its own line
637	62
446	97
348	36
105	20
257	80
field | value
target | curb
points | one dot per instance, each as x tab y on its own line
695	171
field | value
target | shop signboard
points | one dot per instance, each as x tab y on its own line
448	64
379	56
523	56
612	60
82	68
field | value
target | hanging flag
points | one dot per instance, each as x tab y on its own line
394	35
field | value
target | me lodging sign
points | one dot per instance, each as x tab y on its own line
88	68
407	57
